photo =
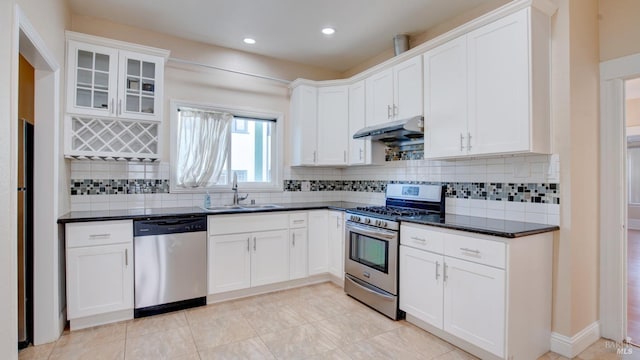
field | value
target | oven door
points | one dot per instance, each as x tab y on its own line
371	255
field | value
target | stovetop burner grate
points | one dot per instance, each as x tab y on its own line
392	211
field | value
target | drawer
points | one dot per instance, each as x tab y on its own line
245	223
487	252
297	220
422	237
98	233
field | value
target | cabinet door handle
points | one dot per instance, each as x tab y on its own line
361	151
345	155
93	236
468	141
445	276
314	156
418	239
126	257
119	107
476	251
254	243
248	240
437	270
388	111
293	242
111	108
461	142
395	110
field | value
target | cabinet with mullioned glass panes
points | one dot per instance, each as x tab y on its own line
115	83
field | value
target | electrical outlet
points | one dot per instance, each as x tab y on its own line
305	186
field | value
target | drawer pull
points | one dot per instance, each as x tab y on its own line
94	236
418	239
476	252
298	221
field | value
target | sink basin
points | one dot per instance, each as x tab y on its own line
261	206
222	208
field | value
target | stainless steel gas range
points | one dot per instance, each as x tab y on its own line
372	243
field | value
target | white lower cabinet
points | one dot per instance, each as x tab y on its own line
474	307
229	262
270	257
421	284
335	241
318	242
99	260
489	295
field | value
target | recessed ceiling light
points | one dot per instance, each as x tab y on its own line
328	31
249	41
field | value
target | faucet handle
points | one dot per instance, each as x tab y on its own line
240	198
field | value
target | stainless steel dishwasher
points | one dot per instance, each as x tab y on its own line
170	264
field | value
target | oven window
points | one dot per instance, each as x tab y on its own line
370	252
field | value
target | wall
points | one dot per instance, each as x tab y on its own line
418	39
632	112
618	28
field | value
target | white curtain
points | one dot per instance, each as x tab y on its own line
203	147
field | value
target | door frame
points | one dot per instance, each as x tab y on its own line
613	195
49	318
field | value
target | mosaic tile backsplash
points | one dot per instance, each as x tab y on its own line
531	192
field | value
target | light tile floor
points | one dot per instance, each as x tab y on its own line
313	322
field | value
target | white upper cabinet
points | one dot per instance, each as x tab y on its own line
304	117
108	78
358	154
333	125
319	125
445	99
497	74
395	93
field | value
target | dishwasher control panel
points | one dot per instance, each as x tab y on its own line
173	225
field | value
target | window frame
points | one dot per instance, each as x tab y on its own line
277	136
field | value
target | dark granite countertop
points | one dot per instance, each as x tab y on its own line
495	227
480	225
126	214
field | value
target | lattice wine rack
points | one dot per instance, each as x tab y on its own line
111	139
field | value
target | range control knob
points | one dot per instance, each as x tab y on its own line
367	221
383	224
355	218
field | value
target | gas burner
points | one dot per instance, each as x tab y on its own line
392	211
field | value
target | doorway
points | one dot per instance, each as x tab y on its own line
632	124
26	122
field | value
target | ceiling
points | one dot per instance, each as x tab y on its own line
285	29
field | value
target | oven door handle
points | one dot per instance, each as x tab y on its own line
359	283
377	233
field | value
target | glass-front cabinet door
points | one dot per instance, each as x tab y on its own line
92	77
140	89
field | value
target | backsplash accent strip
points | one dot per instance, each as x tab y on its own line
544	193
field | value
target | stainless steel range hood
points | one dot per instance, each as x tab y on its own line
396	132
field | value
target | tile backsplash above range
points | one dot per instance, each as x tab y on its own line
523	188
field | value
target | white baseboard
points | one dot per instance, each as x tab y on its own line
572	346
634	224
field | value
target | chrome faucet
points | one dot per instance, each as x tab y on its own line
234	187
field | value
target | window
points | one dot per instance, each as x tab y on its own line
633	172
247	146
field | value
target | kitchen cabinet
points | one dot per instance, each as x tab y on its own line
114	99
270	257
318	235
473	290
99	268
358	148
333	125
304	117
499	75
247	250
395	93
107	80
336	245
298	251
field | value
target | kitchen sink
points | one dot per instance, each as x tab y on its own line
261	206
239	208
